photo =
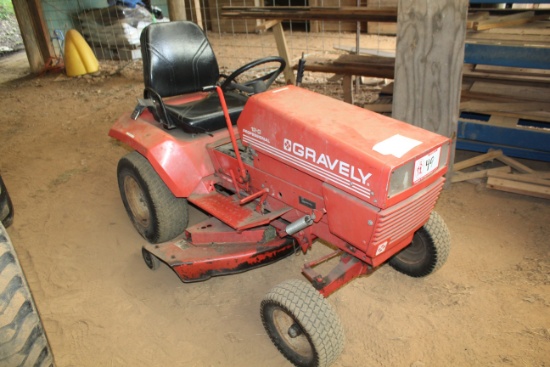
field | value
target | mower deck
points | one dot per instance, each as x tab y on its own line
212	248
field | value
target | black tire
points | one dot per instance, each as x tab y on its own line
302	324
156	213
22	338
6	207
151	260
428	250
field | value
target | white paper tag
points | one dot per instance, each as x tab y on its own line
396	145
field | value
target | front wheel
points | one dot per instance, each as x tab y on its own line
302	324
428	250
156	213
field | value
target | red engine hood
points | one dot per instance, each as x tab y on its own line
347	146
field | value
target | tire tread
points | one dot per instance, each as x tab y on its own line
171	212
316	316
22	338
437	233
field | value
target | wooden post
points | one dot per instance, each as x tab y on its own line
176	10
34	33
428	64
198	13
347	86
282	47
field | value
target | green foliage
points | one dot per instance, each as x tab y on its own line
6	9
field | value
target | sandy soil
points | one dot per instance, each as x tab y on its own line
101	306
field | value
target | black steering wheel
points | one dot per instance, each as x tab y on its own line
255	85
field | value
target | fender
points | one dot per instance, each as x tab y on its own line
181	160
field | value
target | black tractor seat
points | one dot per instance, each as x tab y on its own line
179	60
206	114
200	116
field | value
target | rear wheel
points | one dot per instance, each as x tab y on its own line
428	250
22	338
302	324
156	213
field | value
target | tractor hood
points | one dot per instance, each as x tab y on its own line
351	148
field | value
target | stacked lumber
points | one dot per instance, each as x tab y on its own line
512	91
512	176
483	20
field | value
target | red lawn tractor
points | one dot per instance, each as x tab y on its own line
274	169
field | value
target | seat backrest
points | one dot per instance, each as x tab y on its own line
177	58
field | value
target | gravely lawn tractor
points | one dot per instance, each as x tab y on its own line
296	167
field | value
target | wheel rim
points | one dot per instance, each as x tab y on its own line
415	252
137	201
285	326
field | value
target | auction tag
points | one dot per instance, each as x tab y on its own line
426	164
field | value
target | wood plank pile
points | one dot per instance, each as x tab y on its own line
512	176
374	66
510	95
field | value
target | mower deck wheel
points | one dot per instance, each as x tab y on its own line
302	324
428	250
156	213
151	260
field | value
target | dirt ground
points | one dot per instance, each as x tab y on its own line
101	306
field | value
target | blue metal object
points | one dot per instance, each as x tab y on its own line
532	142
520	142
515	56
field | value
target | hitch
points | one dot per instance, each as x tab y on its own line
347	269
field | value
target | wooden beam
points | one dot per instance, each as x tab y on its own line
176	10
282	47
343	13
198	14
34	33
347	85
477	160
521	177
264	26
504	21
518	187
379	107
41	29
514	164
376	66
428	66
460	176
476	17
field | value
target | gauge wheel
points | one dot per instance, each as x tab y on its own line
155	212
151	260
428	250
23	341
302	324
